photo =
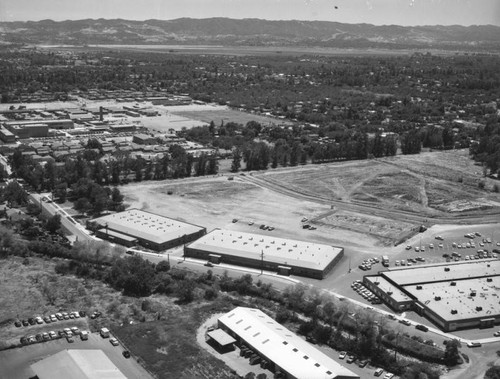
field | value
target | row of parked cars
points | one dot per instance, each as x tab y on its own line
351	358
365	292
368	263
409	262
60	316
67	333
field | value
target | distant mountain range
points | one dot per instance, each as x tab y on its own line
251	32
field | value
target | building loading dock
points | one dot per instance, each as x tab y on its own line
288	257
453	296
152	231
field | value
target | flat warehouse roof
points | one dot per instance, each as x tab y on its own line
147	226
387	287
77	364
438	272
221	337
287	350
443	297
278	250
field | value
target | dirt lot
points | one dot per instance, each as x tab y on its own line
215	202
226	114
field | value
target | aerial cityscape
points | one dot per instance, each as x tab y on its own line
207	191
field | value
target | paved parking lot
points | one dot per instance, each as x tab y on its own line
15	363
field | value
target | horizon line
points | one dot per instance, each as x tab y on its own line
239	19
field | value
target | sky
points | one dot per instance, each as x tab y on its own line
377	12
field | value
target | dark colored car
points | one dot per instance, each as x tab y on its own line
362	363
39	337
24	340
126	354
18	324
82	313
423	328
32	321
25	323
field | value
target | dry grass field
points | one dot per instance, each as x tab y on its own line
227	115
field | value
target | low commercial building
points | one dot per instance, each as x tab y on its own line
77	364
285	352
288	257
147	229
7	136
453	295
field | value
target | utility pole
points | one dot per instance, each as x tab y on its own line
262	262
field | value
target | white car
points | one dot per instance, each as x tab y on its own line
342	354
388	375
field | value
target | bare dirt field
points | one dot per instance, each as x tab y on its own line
228	115
375	202
215	202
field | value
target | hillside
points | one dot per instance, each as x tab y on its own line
253	32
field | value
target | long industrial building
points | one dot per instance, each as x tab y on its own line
287	257
150	230
286	352
454	295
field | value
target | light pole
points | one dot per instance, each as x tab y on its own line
262	262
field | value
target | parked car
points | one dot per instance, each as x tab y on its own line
421	327
388	376
378	372
363	363
342	354
70	339
126	353
474	344
18	324
351	359
497	334
113	341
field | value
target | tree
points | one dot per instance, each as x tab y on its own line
451	353
53	223
162	266
213	165
185	291
236	163
492	373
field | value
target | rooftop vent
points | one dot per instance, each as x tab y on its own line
437	298
454	311
419	287
472	294
453	283
446	269
479	309
489	279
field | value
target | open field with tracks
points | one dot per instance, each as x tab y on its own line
369	202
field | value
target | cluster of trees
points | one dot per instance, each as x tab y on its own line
86	178
487	149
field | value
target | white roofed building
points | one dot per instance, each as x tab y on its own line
286	256
288	353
